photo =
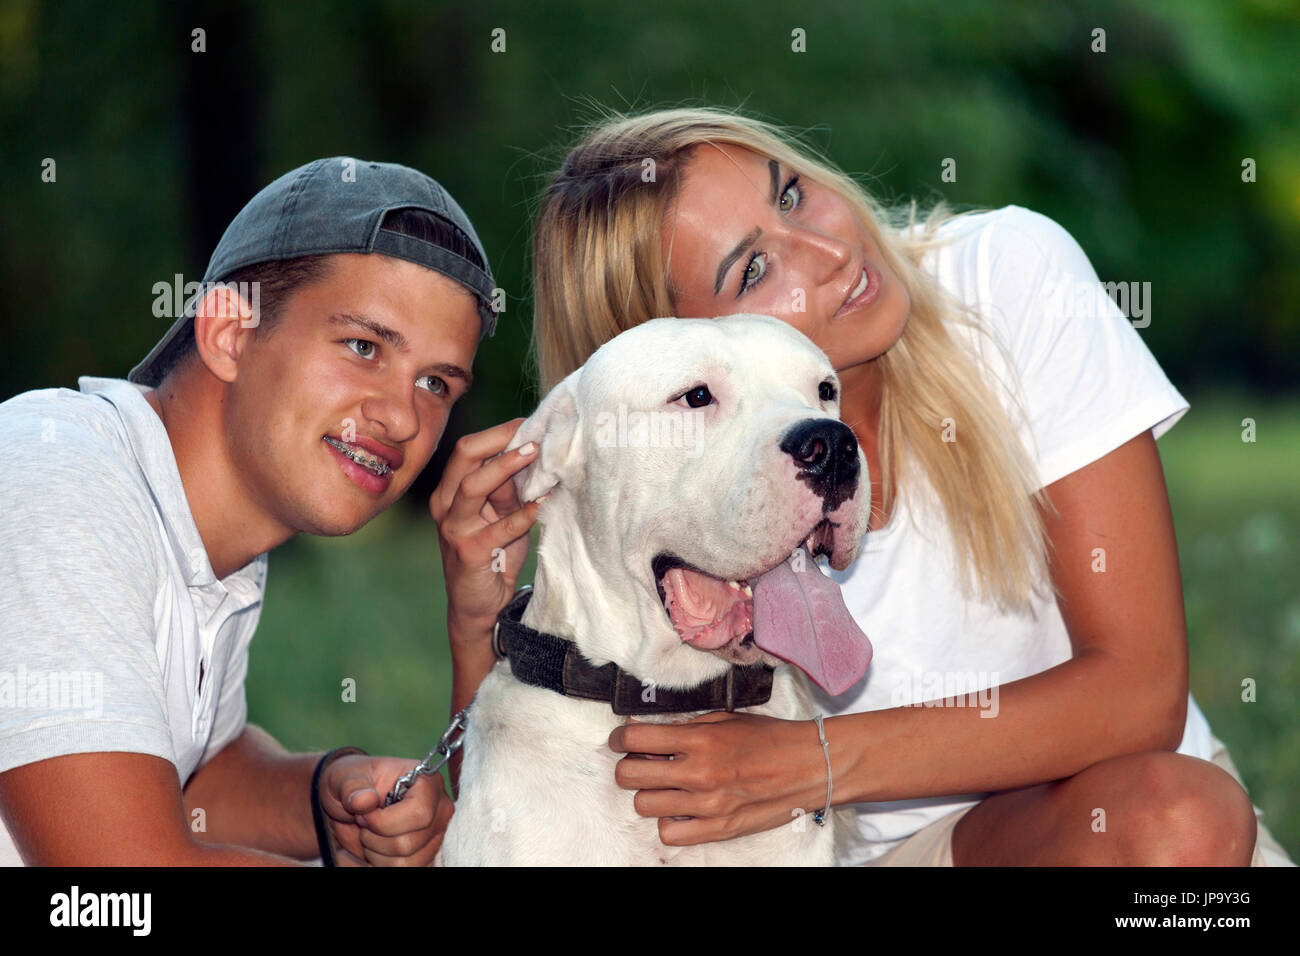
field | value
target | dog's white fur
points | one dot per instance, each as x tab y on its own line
537	784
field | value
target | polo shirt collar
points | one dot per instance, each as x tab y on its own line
153	452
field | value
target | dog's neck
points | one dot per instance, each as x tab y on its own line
620	620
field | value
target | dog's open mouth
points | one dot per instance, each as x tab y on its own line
792	611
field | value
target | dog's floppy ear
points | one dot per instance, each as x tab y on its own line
554	426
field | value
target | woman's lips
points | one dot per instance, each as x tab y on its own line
864	297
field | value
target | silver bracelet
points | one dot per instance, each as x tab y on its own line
820	816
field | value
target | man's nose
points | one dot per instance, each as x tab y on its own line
393	408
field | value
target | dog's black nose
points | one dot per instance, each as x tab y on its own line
826	453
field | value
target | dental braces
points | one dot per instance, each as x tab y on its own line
376	466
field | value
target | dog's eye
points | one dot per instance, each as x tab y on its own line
826	390
699	396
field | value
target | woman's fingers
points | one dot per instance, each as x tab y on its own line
470	452
635	737
492	479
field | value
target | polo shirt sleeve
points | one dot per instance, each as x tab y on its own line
78	667
1088	381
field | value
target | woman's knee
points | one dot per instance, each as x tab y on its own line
1174	810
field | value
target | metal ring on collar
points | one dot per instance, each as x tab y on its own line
497	649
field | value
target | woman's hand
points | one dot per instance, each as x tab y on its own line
482	529
728	775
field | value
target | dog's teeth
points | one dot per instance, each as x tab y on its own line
749	592
733	585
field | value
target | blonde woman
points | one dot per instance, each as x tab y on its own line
1021	564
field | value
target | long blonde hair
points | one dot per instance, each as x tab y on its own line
599	269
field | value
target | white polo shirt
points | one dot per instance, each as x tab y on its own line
115	635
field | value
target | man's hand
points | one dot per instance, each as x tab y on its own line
364	831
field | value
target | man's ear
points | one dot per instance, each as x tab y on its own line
554	426
222	330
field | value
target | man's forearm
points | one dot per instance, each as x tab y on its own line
254	793
1048	726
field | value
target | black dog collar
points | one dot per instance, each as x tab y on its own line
554	663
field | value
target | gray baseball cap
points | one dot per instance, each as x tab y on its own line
331	206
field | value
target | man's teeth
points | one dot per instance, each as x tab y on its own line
376	466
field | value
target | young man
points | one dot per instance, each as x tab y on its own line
302	395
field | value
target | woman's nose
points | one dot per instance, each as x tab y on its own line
826	254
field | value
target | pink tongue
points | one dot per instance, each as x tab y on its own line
800	617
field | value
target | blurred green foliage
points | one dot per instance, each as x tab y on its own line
1137	150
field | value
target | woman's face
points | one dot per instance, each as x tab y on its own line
749	235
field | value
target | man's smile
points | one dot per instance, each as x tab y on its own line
378	464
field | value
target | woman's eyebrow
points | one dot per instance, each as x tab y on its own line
733	255
774	171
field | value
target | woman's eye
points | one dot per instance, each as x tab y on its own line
434	384
699	396
363	347
826	390
792	196
755	269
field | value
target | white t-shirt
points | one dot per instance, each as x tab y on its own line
115	635
1088	384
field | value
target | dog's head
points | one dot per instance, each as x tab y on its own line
696	467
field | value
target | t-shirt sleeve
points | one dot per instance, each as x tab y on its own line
79	669
1088	382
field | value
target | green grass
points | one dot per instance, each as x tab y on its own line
1236	511
371	607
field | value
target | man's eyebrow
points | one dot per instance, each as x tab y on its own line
380	331
398	341
733	255
454	371
774	171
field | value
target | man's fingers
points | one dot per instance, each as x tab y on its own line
387	852
349	789
410	814
343	858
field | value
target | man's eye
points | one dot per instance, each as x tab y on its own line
792	196
363	347
433	383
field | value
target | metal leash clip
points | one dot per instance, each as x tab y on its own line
442	752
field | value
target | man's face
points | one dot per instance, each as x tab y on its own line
364	364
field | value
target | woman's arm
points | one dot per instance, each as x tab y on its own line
483	536
1124	691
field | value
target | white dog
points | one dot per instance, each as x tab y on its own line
694	467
